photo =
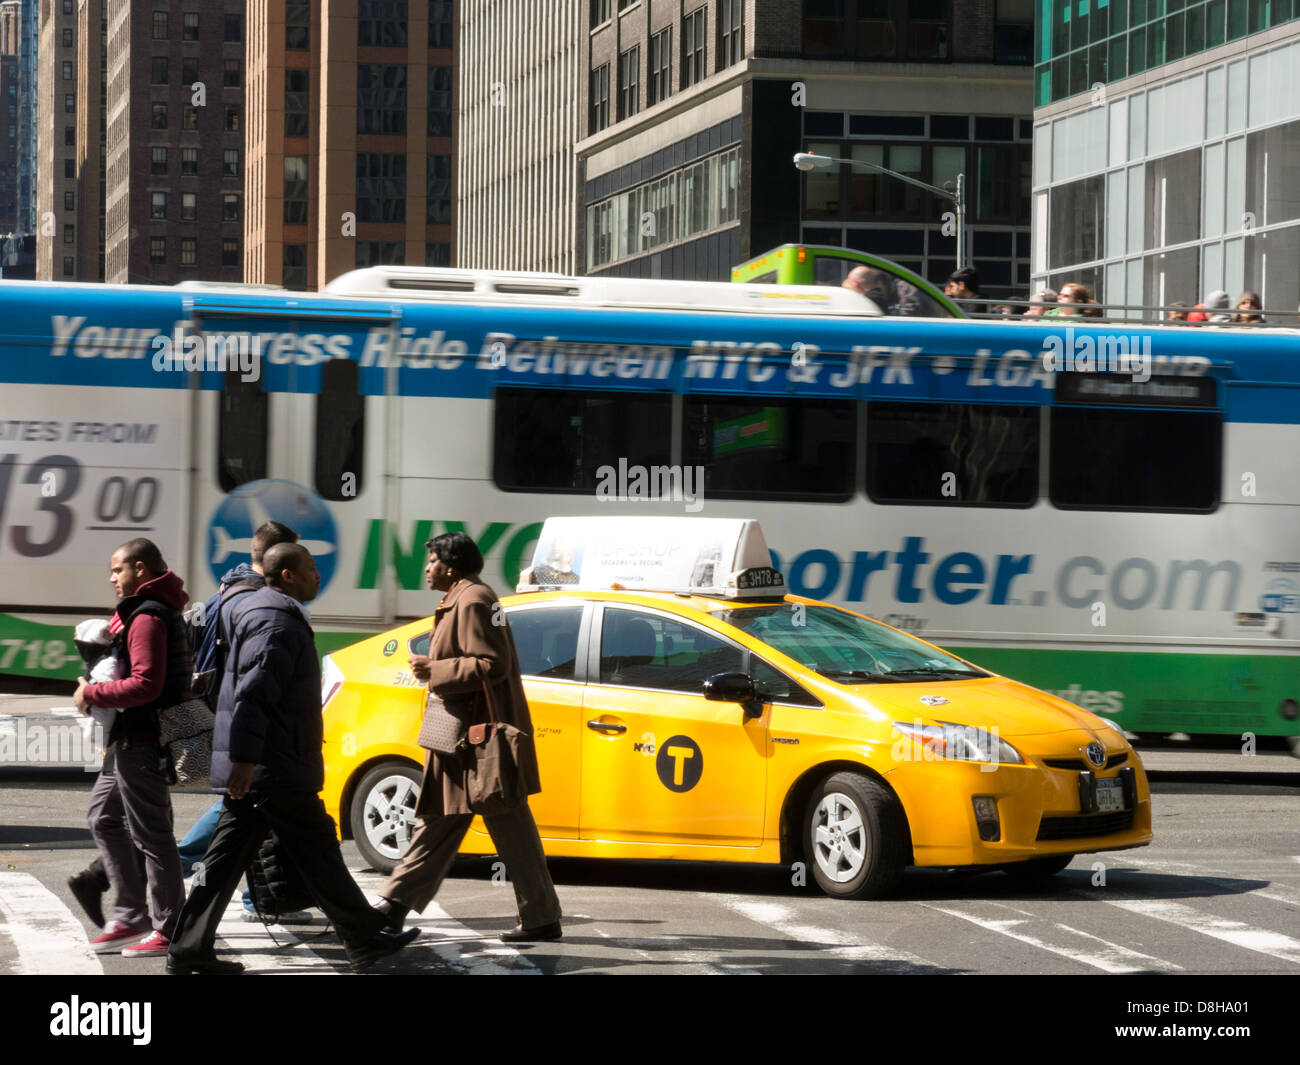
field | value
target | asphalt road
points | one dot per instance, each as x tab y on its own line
1217	893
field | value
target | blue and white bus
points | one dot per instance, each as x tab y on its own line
1129	540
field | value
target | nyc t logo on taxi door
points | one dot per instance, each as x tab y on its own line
680	763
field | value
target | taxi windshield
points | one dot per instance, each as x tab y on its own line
846	648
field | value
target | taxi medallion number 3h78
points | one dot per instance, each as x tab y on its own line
685	707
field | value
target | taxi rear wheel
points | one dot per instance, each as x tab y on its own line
383	813
854	837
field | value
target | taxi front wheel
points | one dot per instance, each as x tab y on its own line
383	813
854	837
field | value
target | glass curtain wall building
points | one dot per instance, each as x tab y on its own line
1180	180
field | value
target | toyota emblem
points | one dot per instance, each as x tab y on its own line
933	700
1096	754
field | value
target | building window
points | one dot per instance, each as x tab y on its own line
629	90
157	250
233	73
438	190
381	187
598	102
189	161
190	26
159	120
189	70
438	254
230	163
295	193
67	37
230	207
234	28
381	98
189	207
439	102
70	136
70	103
294	274
693	50
69	233
1013	32
160	25
296	120
69	168
190	118
67	70
229	251
379	253
599	12
660	84
69	201
232	119
158	206
731	32
159	166
159	70
440	16
69	266
381	22
189	251
297	38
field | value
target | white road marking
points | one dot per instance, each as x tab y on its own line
66	711
48	937
250	944
1056	938
1260	940
1221	879
455	944
783	919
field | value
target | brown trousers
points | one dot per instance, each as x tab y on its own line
416	880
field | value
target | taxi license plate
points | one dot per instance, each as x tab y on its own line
1110	796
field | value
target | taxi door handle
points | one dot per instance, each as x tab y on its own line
607	727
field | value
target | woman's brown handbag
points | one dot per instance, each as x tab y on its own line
493	782
443	728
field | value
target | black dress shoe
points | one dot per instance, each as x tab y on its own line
380	945
540	934
88	889
209	966
394	914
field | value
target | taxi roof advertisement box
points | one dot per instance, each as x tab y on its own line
725	557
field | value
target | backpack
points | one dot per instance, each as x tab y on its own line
211	644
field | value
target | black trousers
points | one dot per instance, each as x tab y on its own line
307	835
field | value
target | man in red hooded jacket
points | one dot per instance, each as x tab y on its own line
130	807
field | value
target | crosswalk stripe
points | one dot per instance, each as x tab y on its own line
1259	940
1054	937
251	945
48	938
456	945
1220	878
838	944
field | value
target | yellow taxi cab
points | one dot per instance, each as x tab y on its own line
685	707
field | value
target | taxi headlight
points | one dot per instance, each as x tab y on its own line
1115	725
963	743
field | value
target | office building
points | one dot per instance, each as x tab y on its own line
56	145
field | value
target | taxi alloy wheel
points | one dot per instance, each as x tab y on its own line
854	837
383	813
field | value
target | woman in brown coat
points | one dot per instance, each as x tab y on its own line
470	628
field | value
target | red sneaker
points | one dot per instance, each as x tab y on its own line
155	945
117	936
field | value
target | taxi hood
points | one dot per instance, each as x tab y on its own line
983	702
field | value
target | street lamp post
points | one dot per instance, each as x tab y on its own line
809	161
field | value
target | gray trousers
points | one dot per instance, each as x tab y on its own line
130	817
416	880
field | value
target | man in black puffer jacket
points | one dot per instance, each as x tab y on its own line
267	758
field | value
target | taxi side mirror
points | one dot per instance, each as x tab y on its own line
734	688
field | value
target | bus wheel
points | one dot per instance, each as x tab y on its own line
383	813
1038	868
854	837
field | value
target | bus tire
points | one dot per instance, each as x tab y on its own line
854	837
382	815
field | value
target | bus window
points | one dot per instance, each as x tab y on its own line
1113	459
546	440
241	432
340	431
771	448
828	270
953	454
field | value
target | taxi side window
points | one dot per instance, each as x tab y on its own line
773	686
546	640
647	651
